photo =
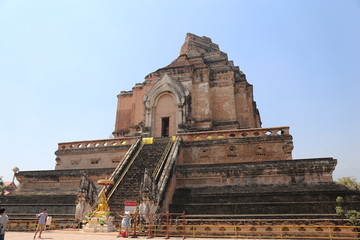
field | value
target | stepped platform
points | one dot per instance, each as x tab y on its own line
55	190
27	206
274	201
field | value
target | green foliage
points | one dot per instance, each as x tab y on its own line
340	211
349	182
2	187
339	201
352	215
89	213
101	221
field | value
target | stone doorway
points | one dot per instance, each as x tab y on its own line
165	121
164	116
166	99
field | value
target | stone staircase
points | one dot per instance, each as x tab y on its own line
297	201
129	187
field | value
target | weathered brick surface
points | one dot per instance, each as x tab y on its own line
235	150
54	190
207	90
285	172
26	206
305	199
273	187
102	153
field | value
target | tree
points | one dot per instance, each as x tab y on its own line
2	187
349	182
352	215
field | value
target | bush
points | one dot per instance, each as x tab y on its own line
352	215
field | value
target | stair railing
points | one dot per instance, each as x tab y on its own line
123	163
167	170
126	158
161	162
123	171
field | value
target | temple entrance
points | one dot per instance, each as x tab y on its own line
164	116
165	121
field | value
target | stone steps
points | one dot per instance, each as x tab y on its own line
129	188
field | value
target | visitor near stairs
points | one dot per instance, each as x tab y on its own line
3	221
125	224
42	222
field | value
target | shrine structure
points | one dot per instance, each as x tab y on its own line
189	139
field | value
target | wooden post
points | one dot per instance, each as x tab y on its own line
135	223
167	225
184	225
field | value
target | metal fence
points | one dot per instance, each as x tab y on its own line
31	224
177	225
169	225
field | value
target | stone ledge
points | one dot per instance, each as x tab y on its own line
285	166
237	140
90	150
63	172
269	189
280	172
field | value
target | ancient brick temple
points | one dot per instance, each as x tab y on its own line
199	91
209	153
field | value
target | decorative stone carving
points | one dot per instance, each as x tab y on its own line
86	197
148	193
260	151
58	161
288	147
148	187
232	151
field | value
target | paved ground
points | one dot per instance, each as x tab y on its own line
77	235
61	235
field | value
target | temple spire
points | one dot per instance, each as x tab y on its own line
195	45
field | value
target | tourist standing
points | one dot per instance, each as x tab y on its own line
42	222
125	224
3	221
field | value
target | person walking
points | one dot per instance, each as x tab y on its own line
42	222
3	221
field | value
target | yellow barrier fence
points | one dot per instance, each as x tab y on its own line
30	225
285	232
175	225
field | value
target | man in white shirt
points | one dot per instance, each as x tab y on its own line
42	222
3	221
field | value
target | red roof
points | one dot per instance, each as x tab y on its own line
11	189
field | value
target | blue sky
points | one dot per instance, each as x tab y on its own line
62	63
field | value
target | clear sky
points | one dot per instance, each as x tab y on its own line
62	63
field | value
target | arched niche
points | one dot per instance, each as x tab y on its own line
166	89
